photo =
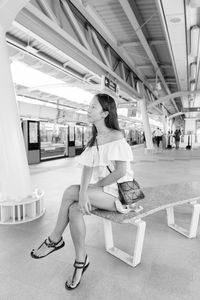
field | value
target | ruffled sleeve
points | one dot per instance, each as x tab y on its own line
115	151
120	151
87	157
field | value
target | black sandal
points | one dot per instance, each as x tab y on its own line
50	244
77	265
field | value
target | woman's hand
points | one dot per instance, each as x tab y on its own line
95	185
84	203
98	184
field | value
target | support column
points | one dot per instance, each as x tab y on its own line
15	178
164	121
190	129
143	107
169	124
15	185
147	129
8	11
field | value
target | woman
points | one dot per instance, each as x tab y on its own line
106	147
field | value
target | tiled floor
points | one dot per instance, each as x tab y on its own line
170	267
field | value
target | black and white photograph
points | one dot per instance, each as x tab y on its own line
100	149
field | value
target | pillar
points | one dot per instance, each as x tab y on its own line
147	130
165	131
164	121
18	204
190	129
143	107
14	171
8	11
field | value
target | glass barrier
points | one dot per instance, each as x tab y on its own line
53	140
78	136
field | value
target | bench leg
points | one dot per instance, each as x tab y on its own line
192	232
133	260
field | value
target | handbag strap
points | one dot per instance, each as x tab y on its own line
109	169
98	152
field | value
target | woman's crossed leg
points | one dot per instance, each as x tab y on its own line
70	212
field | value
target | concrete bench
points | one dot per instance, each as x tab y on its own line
156	199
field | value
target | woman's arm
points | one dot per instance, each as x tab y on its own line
120	171
84	202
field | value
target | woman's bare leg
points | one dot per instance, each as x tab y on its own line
77	225
70	195
78	231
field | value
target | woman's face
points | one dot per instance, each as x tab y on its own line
95	111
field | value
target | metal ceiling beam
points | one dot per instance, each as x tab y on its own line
137	28
75	24
162	66
43	4
138	43
40	27
157	42
100	48
13	42
176	115
153	79
89	13
100	27
174	95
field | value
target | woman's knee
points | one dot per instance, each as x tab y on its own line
71	194
74	209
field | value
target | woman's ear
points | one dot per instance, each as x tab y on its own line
105	113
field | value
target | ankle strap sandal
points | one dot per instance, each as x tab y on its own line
69	285
51	247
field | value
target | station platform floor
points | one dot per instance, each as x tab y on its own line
170	266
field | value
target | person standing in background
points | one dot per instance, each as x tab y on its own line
158	136
144	139
176	136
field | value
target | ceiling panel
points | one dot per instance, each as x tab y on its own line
138	54
162	54
115	19
148	12
175	20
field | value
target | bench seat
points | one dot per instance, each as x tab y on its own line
156	198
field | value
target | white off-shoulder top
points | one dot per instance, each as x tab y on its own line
106	155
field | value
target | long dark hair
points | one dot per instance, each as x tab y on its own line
111	121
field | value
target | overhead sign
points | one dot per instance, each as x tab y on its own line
110	84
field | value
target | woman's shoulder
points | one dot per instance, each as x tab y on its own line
112	136
117	149
116	134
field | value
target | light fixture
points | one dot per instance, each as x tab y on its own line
192	86
31	49
158	86
195	33
195	53
193	70
175	20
